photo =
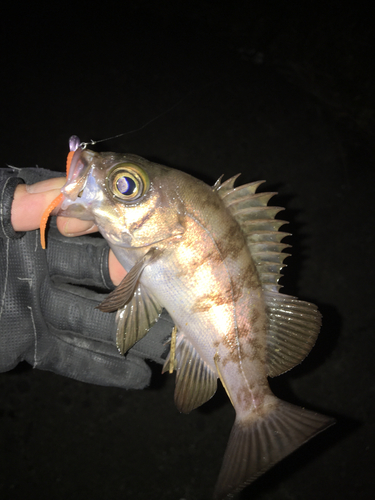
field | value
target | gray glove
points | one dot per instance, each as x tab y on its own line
48	299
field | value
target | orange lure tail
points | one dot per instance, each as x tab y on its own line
52	205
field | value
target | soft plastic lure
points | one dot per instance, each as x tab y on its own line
74	145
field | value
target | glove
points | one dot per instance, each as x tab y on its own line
48	299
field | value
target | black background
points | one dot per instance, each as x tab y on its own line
282	93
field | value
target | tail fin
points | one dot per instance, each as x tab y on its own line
256	445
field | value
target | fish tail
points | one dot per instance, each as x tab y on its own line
256	444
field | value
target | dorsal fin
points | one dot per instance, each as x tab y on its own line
293	325
257	221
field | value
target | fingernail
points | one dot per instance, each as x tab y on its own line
47	185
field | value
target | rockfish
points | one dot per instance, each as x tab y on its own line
212	257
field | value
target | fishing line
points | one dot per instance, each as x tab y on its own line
83	145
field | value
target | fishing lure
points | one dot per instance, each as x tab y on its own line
76	145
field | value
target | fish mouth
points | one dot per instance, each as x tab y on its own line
79	171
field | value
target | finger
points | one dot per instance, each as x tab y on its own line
69	226
29	203
116	271
75	227
82	260
72	309
90	361
46	185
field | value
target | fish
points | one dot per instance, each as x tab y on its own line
212	257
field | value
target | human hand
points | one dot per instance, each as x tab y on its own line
28	206
45	318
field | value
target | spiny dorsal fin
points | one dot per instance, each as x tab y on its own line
257	221
196	383
293	325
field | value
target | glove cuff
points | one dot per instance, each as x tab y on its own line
7	188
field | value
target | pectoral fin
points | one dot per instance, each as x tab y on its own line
137	309
124	292
136	317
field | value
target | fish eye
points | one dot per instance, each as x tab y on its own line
128	182
126	185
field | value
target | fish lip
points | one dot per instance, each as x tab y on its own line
78	174
82	166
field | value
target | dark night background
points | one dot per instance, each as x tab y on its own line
277	91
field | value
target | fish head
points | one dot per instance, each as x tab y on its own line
133	202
